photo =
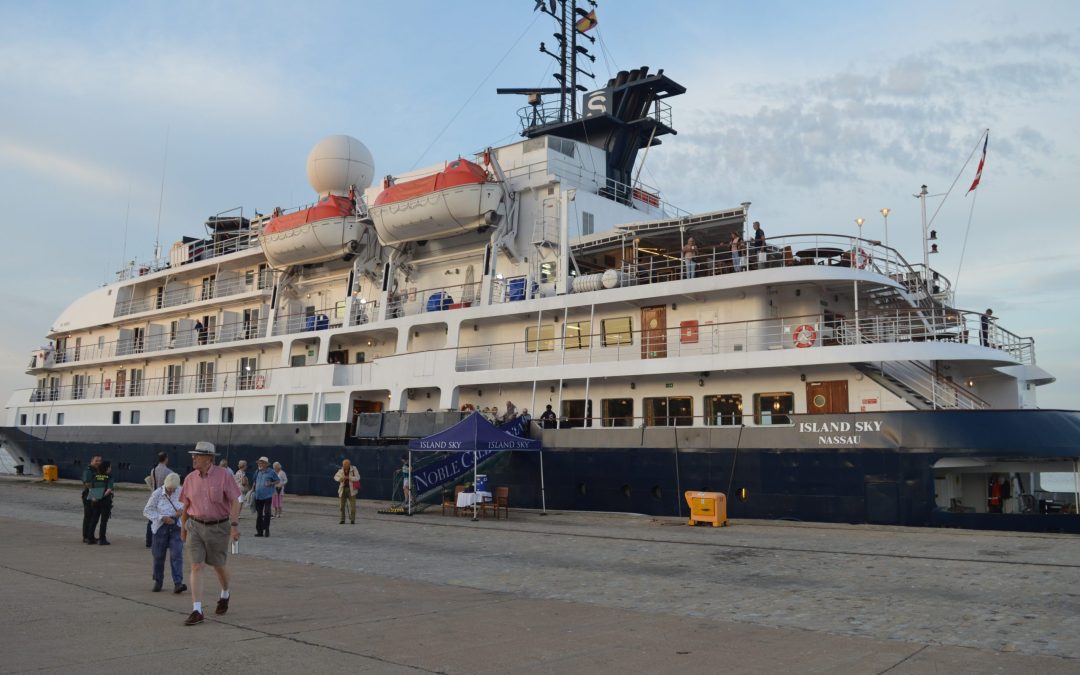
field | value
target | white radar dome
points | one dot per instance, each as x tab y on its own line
336	162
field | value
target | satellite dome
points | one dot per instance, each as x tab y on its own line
336	162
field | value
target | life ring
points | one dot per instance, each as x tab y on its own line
862	258
804	336
260	382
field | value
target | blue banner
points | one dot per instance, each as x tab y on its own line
447	469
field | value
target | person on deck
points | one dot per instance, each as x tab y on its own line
689	256
757	246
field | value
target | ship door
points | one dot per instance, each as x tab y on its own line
654	332
826	397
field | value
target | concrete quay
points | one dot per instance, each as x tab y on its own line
562	593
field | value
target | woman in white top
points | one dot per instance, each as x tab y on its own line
163	510
279	490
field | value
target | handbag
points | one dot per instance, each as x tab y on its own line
355	486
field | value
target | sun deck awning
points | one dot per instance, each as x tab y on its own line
718	223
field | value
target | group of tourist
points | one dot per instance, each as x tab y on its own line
742	255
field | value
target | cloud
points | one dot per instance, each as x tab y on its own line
57	168
913	114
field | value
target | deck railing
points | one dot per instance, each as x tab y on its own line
108	388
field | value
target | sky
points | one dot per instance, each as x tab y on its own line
816	113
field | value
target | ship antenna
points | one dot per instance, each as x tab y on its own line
161	199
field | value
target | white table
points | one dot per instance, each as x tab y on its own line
467	499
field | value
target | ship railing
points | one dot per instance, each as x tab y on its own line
925	383
165	341
198	383
310	320
202	249
364	311
578	342
177	295
436	299
640	196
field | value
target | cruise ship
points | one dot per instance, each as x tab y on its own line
823	377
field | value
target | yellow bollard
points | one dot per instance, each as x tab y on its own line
50	472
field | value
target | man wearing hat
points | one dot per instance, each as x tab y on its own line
266	479
211	508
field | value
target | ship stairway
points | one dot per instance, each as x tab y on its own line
920	386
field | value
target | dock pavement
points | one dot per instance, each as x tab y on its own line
556	593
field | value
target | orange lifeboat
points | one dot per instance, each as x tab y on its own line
458	199
325	231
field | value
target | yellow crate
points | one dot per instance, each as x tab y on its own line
50	472
707	507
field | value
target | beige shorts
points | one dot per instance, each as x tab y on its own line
207	543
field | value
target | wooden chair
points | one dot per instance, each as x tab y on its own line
450	502
500	500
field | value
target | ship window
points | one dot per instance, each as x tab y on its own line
547	272
576	413
668	411
299	412
170	416
773	408
615	332
561	145
723	410
116	417
577	335
135	415
297	360
227	415
22	420
339	309
249	277
587	223
268	413
202	415
617	412
135	385
546	341
59	418
332	412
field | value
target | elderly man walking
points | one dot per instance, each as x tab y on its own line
266	479
211	500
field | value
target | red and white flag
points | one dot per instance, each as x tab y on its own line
978	174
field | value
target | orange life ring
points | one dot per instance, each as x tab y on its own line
804	336
862	258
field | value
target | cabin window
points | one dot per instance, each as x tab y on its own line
576	413
116	417
773	408
300	412
249	277
547	272
247	369
170	416
616	332
668	411
268	413
297	360
173	374
135	416
577	335
202	415
204	380
22	420
617	412
332	412
723	410
587	223
546	340
59	418
227	415
339	309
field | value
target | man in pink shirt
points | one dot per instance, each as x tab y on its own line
211	500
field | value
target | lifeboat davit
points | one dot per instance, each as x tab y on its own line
460	198
325	231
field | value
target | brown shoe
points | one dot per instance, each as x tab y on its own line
222	606
196	617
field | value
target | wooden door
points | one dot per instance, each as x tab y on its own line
826	397
654	332
120	384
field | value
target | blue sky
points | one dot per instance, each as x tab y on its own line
818	113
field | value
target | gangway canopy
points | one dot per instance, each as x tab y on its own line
473	433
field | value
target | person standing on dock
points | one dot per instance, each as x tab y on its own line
87	478
164	509
348	480
211	500
100	495
279	489
266	479
155	480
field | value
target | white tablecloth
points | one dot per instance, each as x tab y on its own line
466	499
